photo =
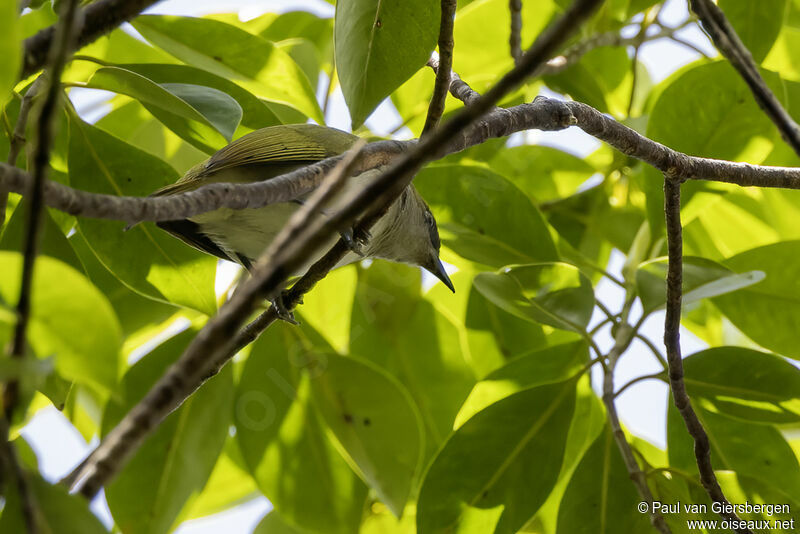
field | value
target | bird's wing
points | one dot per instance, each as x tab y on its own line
281	148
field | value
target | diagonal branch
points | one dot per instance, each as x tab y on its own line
217	338
672	323
442	84
728	42
99	17
515	37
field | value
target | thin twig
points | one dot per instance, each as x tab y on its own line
672	323
99	18
442	84
17	140
728	42
68	25
661	375
622	338
652	346
515	37
217	338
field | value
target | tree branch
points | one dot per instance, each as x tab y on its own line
672	323
68	24
515	37
442	84
99	17
218	337
728	42
623	336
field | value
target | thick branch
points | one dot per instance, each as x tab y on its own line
442	84
100	18
218	337
672	323
728	42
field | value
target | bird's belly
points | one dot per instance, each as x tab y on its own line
249	232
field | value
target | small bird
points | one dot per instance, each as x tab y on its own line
406	233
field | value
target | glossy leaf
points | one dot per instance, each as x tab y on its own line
419	345
544	366
203	116
484	217
70	320
600	497
702	279
145	258
772	463
756	24
283	440
555	294
374	419
747	384
60	512
769	311
10	49
379	45
252	62
255	113
498	468
175	462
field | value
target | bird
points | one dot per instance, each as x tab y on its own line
406	233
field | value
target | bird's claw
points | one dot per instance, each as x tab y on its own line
281	310
356	239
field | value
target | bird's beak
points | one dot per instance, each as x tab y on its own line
437	270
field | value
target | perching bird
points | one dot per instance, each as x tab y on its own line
407	233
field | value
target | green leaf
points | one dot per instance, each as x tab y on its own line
61	513
743	383
555	294
284	445
544	173
227	51
255	113
702	279
52	241
420	345
753	450
600	497
228	485
769	311
175	462
145	258
203	116
726	124
375	421
756	23
70	319
544	366
465	201
497	469
10	49
379	45
274	524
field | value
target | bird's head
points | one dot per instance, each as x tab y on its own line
408	234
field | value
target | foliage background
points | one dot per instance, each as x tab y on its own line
723	224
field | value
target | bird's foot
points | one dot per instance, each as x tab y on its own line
281	310
356	239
